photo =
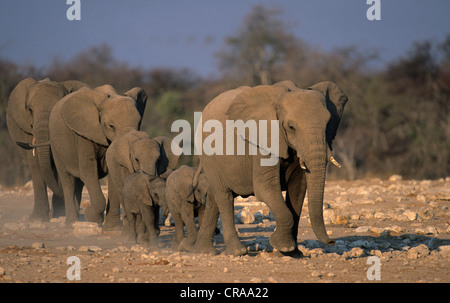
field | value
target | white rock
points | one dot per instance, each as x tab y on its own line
37	245
245	216
445	250
362	229
86	229
411	215
94	248
422	198
394	178
418	252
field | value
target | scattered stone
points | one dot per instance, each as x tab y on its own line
256	280
418	252
362	229
86	229
37	245
316	274
355	252
245	216
445	251
94	248
411	215
395	178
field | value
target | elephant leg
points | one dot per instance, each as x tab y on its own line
58	209
141	230
295	196
267	187
187	213
71	202
89	176
204	242
179	230
41	206
148	217
115	199
225	202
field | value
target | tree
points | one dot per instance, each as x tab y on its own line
261	43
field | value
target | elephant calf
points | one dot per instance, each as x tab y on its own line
143	196
185	202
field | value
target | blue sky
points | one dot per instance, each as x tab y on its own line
187	33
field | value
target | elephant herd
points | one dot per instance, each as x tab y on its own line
71	135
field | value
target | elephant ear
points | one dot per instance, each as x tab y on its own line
260	103
336	100
80	113
168	160
72	85
119	152
140	96
16	104
150	189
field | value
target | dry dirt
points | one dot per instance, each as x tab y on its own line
404	223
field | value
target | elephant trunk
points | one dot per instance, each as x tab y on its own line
316	163
43	153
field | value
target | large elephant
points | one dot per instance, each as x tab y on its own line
131	152
308	122
82	126
29	107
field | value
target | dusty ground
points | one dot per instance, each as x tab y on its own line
406	224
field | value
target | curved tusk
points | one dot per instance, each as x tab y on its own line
335	162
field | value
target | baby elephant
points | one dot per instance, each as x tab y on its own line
143	195
185	202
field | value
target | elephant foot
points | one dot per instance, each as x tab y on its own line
186	245
235	248
295	254
282	242
39	216
205	248
93	215
112	225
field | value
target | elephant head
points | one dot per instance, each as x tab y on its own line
101	115
29	106
136	151
156	187
308	122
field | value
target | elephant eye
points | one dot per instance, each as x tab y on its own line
111	126
291	127
136	159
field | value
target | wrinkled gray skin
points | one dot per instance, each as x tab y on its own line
131	152
308	122
82	126
185	202
29	107
143	196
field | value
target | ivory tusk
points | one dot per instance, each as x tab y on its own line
335	162
34	148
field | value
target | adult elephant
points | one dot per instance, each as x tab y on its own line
131	152
308	122
29	107
82	126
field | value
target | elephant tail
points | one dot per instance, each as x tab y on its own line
194	184
197	174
